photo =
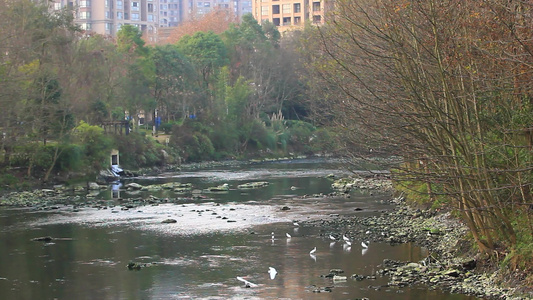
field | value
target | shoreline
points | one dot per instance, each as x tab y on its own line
450	266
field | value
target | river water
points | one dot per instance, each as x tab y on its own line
217	238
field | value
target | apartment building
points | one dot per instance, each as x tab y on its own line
290	14
107	16
197	8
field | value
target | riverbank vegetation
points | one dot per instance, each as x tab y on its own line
446	85
69	97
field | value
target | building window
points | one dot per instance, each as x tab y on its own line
297	20
150	7
84	15
126	16
108	26
316	6
287	21
151	18
200	4
286	8
317	19
120	15
275	9
134	6
108	15
264	10
57	6
118	26
297	8
85	3
275	21
135	16
119	5
85	26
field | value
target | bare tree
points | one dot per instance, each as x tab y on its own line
446	85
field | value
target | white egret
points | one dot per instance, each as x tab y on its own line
295	224
288	235
313	251
272	272
365	245
346	247
332	238
346	239
348	243
272	234
247	283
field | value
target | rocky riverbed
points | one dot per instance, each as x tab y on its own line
449	265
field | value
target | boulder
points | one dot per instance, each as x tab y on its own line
220	188
169	221
253	185
93	186
133	186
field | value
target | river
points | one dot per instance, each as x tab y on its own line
216	238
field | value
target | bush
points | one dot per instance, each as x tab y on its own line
7	180
137	150
196	147
191	140
95	144
70	158
300	136
225	140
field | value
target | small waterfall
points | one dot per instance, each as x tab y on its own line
116	170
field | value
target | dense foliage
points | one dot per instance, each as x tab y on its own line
447	86
214	96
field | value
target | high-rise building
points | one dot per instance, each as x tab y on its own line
170	12
197	8
107	16
290	14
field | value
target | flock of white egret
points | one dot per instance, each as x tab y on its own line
273	272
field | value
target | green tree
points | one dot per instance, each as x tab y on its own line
172	88
129	40
36	41
206	51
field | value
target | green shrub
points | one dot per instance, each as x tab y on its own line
70	158
323	141
300	136
225	140
7	180
191	140
137	150
96	145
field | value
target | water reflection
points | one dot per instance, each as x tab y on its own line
194	263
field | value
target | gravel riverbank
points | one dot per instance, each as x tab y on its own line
449	266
